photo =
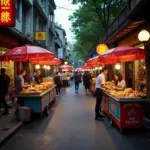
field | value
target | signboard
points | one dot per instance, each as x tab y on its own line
40	36
60	53
115	109
101	49
133	113
7	13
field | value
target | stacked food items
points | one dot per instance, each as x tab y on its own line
93	80
67	78
37	89
127	93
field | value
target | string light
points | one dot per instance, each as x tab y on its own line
37	66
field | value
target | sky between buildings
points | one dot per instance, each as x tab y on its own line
62	14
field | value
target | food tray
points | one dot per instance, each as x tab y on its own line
127	99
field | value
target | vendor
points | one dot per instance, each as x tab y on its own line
120	83
20	85
38	78
19	82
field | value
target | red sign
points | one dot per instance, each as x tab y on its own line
7	13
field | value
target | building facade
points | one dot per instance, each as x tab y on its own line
60	43
31	16
124	32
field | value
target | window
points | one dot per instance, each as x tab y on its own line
18	9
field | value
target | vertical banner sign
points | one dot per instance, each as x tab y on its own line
7	13
60	53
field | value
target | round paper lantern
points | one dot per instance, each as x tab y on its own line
101	49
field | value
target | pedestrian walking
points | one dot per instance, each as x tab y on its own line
58	83
72	77
87	82
100	83
4	82
77	81
63	77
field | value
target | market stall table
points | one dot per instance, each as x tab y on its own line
39	103
124	112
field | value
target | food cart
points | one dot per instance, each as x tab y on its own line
125	112
38	98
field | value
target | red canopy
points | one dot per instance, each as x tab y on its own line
78	69
66	67
54	61
94	61
86	66
122	54
25	53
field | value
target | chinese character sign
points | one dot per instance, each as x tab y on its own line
7	13
40	36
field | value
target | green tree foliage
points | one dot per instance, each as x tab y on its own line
90	21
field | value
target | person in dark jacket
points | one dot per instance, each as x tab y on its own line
38	78
58	83
87	81
77	81
4	82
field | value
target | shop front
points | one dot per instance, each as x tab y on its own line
9	40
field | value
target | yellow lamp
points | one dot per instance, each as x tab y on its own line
37	66
117	66
45	67
144	36
66	63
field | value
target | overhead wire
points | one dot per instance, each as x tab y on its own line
65	8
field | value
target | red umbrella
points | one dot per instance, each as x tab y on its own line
78	69
54	61
66	67
94	61
122	54
86	66
26	52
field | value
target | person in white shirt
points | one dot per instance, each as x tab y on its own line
100	83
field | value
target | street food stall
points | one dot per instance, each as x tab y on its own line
66	75
124	108
38	97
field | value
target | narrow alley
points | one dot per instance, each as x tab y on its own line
71	126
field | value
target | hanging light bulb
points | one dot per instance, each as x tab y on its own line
117	66
45	67
37	66
48	67
96	68
100	68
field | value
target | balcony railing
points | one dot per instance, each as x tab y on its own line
121	20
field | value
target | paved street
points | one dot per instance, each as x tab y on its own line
71	126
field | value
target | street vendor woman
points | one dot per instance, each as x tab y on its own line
100	83
120	82
37	77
